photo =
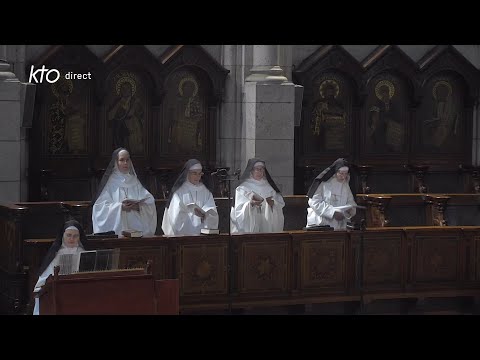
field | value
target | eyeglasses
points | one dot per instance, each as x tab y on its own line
259	169
195	173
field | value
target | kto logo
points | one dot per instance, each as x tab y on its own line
51	75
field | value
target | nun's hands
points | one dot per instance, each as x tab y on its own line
128	206
270	201
199	214
256	202
338	216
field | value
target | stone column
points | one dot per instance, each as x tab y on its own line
269	117
266	64
10	137
13	146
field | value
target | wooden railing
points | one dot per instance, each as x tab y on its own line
298	267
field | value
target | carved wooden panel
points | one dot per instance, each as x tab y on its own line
437	258
327	122
322	263
382	261
43	220
126	113
440	118
8	234
64	122
78	123
202	268
386	115
185	113
137	258
331	78
67	116
263	265
476	257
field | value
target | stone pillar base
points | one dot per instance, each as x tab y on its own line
269	129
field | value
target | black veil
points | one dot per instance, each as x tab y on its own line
330	171
248	170
57	244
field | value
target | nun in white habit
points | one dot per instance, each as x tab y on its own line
258	202
190	206
70	239
122	202
329	191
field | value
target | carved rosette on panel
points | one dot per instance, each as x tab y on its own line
437	258
264	266
382	261
323	263
203	269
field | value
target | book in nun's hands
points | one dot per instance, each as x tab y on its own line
134	201
344	208
210	231
254	196
194	206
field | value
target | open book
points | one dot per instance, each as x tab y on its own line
93	260
134	201
194	206
254	196
343	208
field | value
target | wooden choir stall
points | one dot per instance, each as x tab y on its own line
111	292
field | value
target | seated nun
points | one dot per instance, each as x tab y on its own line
190	206
122	203
330	198
70	239
258	203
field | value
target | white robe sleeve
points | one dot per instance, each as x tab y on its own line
350	201
274	215
40	282
174	216
243	212
211	216
147	213
320	206
107	214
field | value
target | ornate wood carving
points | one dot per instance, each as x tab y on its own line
436	207
202	268
263	265
437	258
382	261
79	123
419	172
331	80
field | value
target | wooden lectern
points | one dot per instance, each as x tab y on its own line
112	292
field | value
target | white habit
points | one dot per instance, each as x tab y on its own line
245	218
180	219
107	214
329	194
49	271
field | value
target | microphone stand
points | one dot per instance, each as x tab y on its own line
360	265
224	177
